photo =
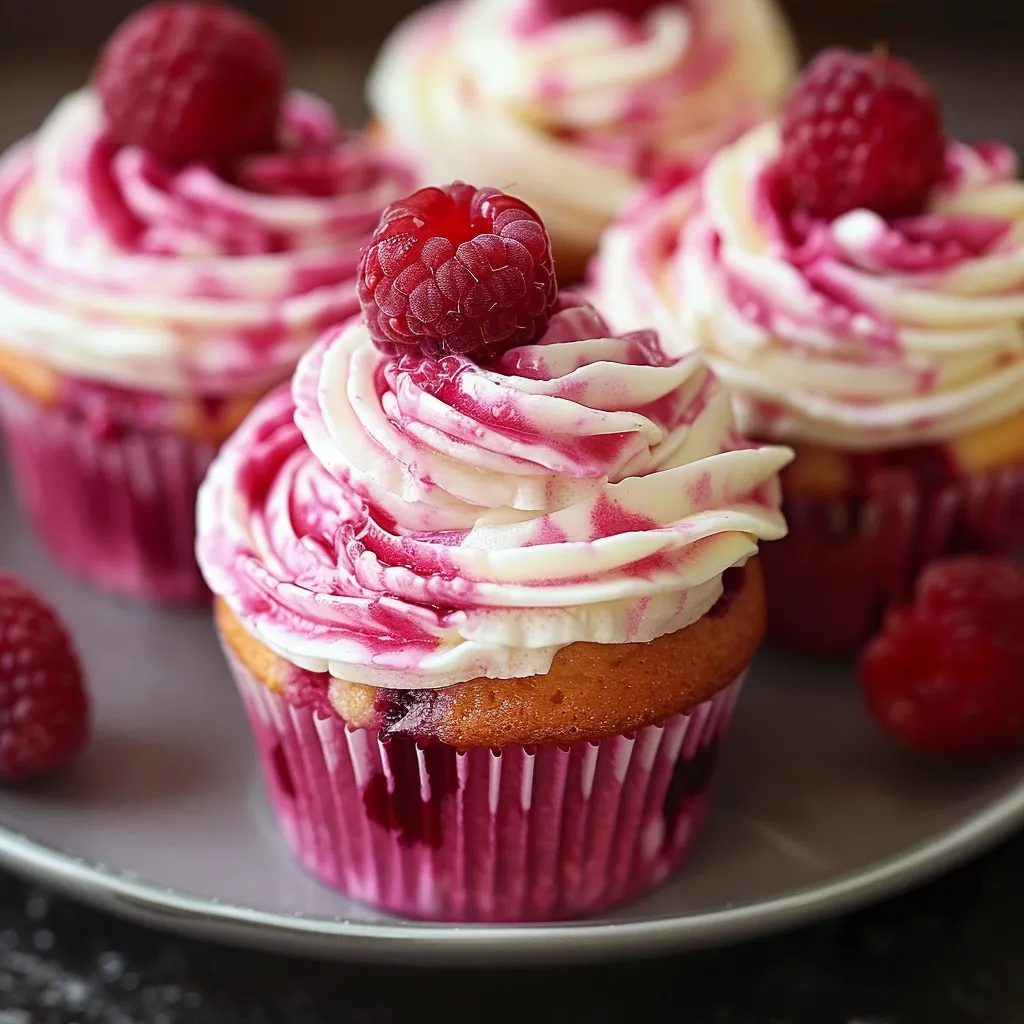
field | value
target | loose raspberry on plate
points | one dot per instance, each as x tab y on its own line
861	131
44	707
457	270
946	674
192	82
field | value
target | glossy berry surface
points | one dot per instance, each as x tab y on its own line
457	271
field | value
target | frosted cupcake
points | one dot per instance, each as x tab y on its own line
859	282
570	104
166	256
487	581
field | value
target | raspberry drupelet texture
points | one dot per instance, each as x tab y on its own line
861	131
192	82
457	271
44	706
946	675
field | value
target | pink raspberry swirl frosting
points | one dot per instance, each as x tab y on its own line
115	268
857	333
409	523
572	113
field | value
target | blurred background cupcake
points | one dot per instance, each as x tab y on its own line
859	281
172	239
570	104
488	584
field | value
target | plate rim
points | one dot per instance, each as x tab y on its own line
426	943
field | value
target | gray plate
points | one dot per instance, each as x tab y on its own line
164	821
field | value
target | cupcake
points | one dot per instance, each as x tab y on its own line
858	281
167	253
572	103
486	577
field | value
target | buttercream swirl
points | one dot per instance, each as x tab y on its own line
414	523
116	268
572	113
856	333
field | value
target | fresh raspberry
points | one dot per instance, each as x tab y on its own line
946	675
192	82
635	10
861	131
457	270
44	707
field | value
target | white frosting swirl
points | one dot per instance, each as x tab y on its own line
419	524
571	114
117	269
856	333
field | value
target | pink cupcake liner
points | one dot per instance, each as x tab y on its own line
847	559
516	834
114	507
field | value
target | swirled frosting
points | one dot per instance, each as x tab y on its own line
571	114
857	333
415	523
115	268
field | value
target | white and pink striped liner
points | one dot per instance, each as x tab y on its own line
116	509
516	834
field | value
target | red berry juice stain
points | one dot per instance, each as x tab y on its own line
394	708
593	454
608	519
282	772
211	407
690	778
109	410
424	555
264	337
387	522
105	195
546	532
732	583
934	243
552	88
313	277
382	630
310	689
644	348
671	173
700	490
404	811
636	617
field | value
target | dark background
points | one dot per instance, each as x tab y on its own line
970	49
72	25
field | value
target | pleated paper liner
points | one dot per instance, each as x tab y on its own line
516	834
847	559
114	507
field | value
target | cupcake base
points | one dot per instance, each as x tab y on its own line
847	558
513	834
114	504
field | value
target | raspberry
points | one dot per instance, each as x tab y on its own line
946	674
192	82
635	10
44	707
457	270
861	131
